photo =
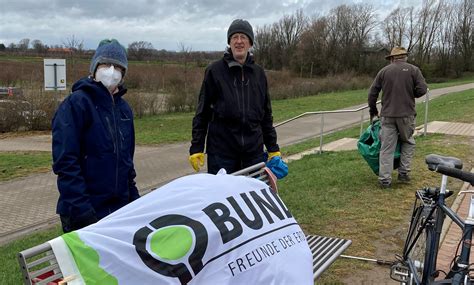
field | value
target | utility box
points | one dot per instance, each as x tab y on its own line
54	74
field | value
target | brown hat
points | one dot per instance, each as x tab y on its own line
397	51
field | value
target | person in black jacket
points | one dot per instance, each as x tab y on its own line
234	111
94	143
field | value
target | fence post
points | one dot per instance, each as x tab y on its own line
427	99
55	77
361	122
321	134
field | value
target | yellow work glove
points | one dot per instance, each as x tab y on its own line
272	154
197	160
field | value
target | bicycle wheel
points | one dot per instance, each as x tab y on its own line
417	251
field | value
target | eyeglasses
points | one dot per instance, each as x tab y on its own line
236	37
116	67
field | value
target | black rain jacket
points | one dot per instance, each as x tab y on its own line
234	111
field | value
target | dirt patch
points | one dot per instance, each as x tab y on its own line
23	134
38	142
386	248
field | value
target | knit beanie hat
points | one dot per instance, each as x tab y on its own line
109	51
240	26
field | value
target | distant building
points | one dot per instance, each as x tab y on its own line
60	50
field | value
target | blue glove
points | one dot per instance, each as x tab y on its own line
278	167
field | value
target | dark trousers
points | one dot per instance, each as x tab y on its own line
215	162
394	129
70	225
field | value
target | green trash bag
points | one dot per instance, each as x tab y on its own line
369	147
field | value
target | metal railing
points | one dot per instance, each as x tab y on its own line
322	113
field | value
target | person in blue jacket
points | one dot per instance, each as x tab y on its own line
94	142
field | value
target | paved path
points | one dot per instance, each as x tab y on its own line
310	126
452	234
28	203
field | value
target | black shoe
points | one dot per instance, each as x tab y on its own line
403	178
385	185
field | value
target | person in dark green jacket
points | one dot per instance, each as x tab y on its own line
94	143
234	114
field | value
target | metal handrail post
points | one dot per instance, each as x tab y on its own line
427	99
361	122
349	111
321	134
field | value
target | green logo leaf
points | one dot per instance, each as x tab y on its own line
171	243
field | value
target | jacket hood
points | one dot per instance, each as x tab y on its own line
229	58
94	88
86	84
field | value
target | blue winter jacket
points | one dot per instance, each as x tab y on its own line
93	148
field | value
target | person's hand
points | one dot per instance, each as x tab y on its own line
273	154
197	160
373	118
374	113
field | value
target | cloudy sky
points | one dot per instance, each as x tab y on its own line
167	24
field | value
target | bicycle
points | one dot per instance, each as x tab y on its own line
417	265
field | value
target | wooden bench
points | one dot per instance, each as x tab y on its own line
39	266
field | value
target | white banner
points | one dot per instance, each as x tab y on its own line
199	229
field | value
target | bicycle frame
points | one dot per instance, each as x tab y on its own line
437	208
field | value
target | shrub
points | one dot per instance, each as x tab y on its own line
283	86
146	103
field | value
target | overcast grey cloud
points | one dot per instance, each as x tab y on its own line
167	24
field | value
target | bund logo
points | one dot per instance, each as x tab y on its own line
172	245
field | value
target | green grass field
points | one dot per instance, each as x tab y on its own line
18	164
456	107
336	194
176	127
333	194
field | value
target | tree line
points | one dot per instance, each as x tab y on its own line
138	50
439	36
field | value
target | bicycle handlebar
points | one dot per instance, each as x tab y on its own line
456	173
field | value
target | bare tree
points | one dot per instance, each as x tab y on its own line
364	23
288	32
74	44
263	45
73	47
348	35
440	34
38	46
464	32
23	44
140	50
290	28
411	35
428	23
395	27
443	50
185	52
313	48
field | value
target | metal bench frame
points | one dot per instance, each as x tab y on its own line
39	260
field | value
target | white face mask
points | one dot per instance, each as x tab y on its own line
109	76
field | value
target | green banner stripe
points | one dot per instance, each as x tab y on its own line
87	261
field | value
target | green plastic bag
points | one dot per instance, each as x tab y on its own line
369	147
